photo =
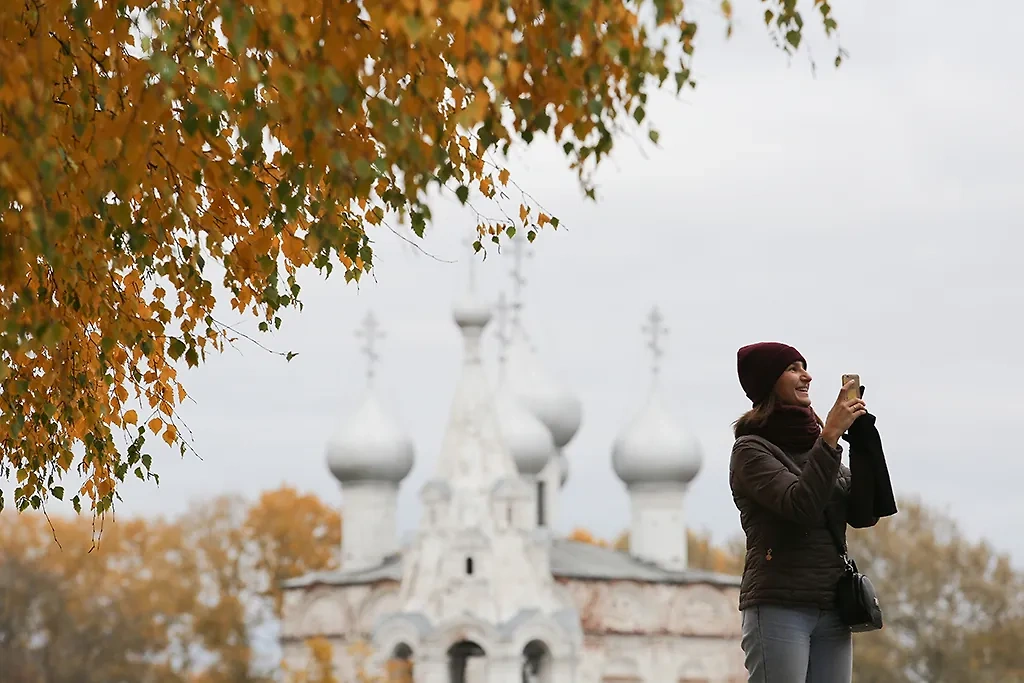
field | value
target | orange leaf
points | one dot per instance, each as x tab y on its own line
461	10
170	434
131	417
155	424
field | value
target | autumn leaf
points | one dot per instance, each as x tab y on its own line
131	417
461	10
170	434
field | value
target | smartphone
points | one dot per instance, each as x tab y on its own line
855	389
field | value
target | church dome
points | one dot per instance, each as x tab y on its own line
559	410
528	440
370	446
471	311
654	448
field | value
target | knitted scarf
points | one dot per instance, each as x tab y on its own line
792	428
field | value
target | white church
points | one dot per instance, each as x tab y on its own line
486	592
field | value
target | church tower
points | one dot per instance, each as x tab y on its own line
478	601
526	379
370	455
657	459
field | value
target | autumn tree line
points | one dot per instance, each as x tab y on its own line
196	598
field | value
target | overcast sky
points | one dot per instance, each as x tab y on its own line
870	216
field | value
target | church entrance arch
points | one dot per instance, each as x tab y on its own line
399	666
537	663
467	663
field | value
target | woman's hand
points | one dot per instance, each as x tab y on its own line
842	415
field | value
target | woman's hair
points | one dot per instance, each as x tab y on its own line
757	416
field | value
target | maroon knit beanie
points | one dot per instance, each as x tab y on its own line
760	366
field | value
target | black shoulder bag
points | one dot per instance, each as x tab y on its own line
856	599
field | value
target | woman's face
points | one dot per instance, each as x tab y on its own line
792	387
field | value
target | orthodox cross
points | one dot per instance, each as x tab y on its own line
655	331
471	250
501	333
520	255
370	334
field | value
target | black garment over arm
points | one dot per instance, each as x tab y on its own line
871	494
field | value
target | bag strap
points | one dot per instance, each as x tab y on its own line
840	546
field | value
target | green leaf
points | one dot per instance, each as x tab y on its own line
147	460
58	492
77	503
555	222
176	348
462	193
510	231
793	38
639	114
291	354
654	136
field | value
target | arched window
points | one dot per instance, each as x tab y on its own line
467	662
399	665
537	663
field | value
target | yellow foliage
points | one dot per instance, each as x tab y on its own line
295	534
120	605
152	152
701	552
581	535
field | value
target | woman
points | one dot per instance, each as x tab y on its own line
787	478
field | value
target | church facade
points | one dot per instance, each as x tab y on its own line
486	592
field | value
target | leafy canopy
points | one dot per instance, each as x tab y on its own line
149	150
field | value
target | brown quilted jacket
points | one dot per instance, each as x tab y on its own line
791	558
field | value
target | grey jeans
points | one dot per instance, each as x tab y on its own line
796	645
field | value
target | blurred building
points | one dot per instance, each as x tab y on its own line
486	592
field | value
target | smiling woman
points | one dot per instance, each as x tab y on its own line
793	495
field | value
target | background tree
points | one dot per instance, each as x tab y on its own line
85	613
954	608
293	534
156	601
702	554
581	535
154	155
